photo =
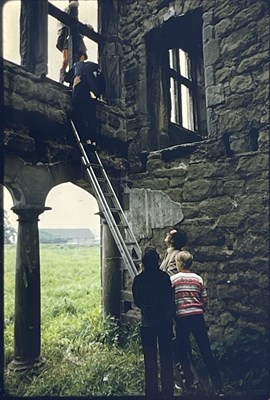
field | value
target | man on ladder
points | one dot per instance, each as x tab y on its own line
88	84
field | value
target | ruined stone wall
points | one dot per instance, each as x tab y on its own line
222	198
225	208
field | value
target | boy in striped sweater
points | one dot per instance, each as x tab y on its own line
190	303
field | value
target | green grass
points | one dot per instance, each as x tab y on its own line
84	355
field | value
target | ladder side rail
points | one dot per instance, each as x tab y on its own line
112	225
133	238
120	208
111	222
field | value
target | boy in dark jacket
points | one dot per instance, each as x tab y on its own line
153	294
88	84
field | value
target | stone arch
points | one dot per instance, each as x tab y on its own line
29	185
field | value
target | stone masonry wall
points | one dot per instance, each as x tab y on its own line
225	215
223	197
235	48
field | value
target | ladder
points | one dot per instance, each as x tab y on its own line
111	208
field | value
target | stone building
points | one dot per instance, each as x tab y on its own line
184	136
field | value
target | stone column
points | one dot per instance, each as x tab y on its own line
111	274
27	290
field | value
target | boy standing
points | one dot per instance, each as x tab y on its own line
152	293
190	303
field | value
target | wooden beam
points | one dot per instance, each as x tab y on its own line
71	21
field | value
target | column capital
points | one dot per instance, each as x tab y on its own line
29	213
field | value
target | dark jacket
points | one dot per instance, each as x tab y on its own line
92	78
153	294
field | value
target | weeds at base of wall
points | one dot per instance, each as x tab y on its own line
243	358
110	365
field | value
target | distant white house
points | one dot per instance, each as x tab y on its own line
67	236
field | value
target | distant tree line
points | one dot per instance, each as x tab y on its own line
10	233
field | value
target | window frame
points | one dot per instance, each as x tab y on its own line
182	32
180	80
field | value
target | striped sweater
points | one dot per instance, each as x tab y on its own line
190	294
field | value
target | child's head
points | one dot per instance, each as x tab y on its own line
183	260
82	56
176	239
150	258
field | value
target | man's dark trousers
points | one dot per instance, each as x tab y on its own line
152	338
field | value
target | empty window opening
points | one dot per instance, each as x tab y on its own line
181	89
176	89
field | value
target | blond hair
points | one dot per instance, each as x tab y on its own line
183	260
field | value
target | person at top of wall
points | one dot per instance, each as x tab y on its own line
88	84
190	302
152	293
79	51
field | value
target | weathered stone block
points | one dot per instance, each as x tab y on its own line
206	235
242	83
216	206
199	190
153	164
223	28
211	52
251	13
231	187
208	33
208	18
252	164
173	172
252	62
24	87
209	76
230	121
240	101
239	42
214	95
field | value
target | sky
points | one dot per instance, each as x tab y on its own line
72	207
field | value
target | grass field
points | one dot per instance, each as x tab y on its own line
84	355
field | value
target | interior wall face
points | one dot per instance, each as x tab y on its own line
217	186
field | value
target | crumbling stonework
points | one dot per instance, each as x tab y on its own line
225	217
236	72
221	180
